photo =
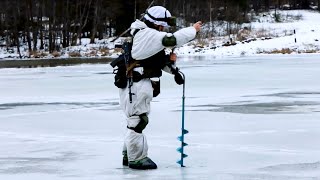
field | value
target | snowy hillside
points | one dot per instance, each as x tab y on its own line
264	36
269	37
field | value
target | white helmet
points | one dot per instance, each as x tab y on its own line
159	16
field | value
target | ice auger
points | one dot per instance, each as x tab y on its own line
183	130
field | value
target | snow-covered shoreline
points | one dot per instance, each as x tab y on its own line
297	33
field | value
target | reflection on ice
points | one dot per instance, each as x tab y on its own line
77	104
46	165
294	167
262	108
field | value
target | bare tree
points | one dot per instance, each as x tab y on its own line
66	24
82	20
96	20
16	32
28	21
40	22
267	4
51	8
305	4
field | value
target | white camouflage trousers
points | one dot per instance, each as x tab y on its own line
136	143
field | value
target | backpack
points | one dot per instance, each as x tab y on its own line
124	65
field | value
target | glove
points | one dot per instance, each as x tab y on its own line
178	78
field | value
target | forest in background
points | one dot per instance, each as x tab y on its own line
55	24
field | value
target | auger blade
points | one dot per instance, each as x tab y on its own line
180	162
180	138
179	150
184	155
184	131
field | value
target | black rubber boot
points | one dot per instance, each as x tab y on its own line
143	164
125	158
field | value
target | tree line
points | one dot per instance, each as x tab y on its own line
52	24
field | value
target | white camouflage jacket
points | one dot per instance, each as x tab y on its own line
148	42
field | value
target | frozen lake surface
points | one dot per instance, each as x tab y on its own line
248	118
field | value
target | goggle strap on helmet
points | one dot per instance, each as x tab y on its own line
158	19
170	20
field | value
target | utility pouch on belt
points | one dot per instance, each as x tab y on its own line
156	87
136	76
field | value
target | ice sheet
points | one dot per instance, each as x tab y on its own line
249	118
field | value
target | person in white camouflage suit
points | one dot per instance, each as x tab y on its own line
149	42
